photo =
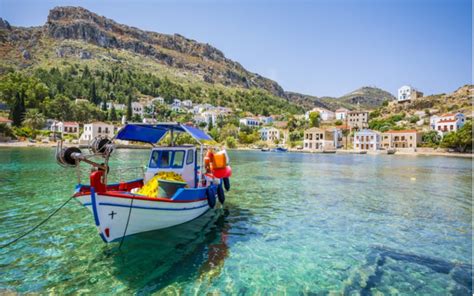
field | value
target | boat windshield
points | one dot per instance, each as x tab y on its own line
167	159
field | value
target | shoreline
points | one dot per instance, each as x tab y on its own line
340	151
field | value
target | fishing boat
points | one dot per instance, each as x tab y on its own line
279	149
265	149
120	209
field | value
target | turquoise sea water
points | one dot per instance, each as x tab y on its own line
293	223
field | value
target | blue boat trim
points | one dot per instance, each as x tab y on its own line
94	207
96	216
150	208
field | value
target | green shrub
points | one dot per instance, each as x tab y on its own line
230	142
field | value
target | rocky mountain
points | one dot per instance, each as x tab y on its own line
78	36
364	97
203	61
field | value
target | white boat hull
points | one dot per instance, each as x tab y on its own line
119	217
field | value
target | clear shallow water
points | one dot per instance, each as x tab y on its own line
294	223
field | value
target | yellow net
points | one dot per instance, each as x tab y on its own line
150	189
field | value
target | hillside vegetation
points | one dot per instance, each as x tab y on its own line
364	97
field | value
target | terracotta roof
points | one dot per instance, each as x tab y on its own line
341	110
70	123
448	114
400	131
5	120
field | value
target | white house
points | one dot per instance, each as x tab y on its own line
367	140
199	119
324	114
137	109
158	100
176	102
317	139
341	113
95	129
210	117
187	103
116	106
249	121
65	128
407	93
446	123
176	109
265	119
269	134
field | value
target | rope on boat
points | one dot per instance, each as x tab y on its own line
38	225
128	220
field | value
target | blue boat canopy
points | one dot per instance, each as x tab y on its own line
153	133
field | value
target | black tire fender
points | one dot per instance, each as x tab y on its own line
220	194
211	197
226	182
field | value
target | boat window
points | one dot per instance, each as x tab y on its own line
164	159
154	159
190	158
178	159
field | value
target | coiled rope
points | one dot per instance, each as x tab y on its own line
38	225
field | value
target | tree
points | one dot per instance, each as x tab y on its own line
338	122
210	126
460	140
34	119
112	113
230	142
431	138
18	110
93	95
104	105
345	133
314	119
129	108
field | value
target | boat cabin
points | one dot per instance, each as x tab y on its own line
178	159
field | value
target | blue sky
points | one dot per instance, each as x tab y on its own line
320	47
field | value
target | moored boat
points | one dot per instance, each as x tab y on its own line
391	151
126	208
279	149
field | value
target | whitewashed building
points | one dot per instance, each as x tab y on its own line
446	123
65	128
158	100
341	113
176	102
94	129
407	93
117	106
317	139
269	134
367	140
137	109
265	119
187	103
324	114
250	121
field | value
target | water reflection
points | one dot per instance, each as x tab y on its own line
196	250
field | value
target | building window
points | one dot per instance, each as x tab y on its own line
99	129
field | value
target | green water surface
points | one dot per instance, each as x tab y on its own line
292	223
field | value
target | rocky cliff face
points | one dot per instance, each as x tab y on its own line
172	50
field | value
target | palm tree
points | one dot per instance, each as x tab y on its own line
34	119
